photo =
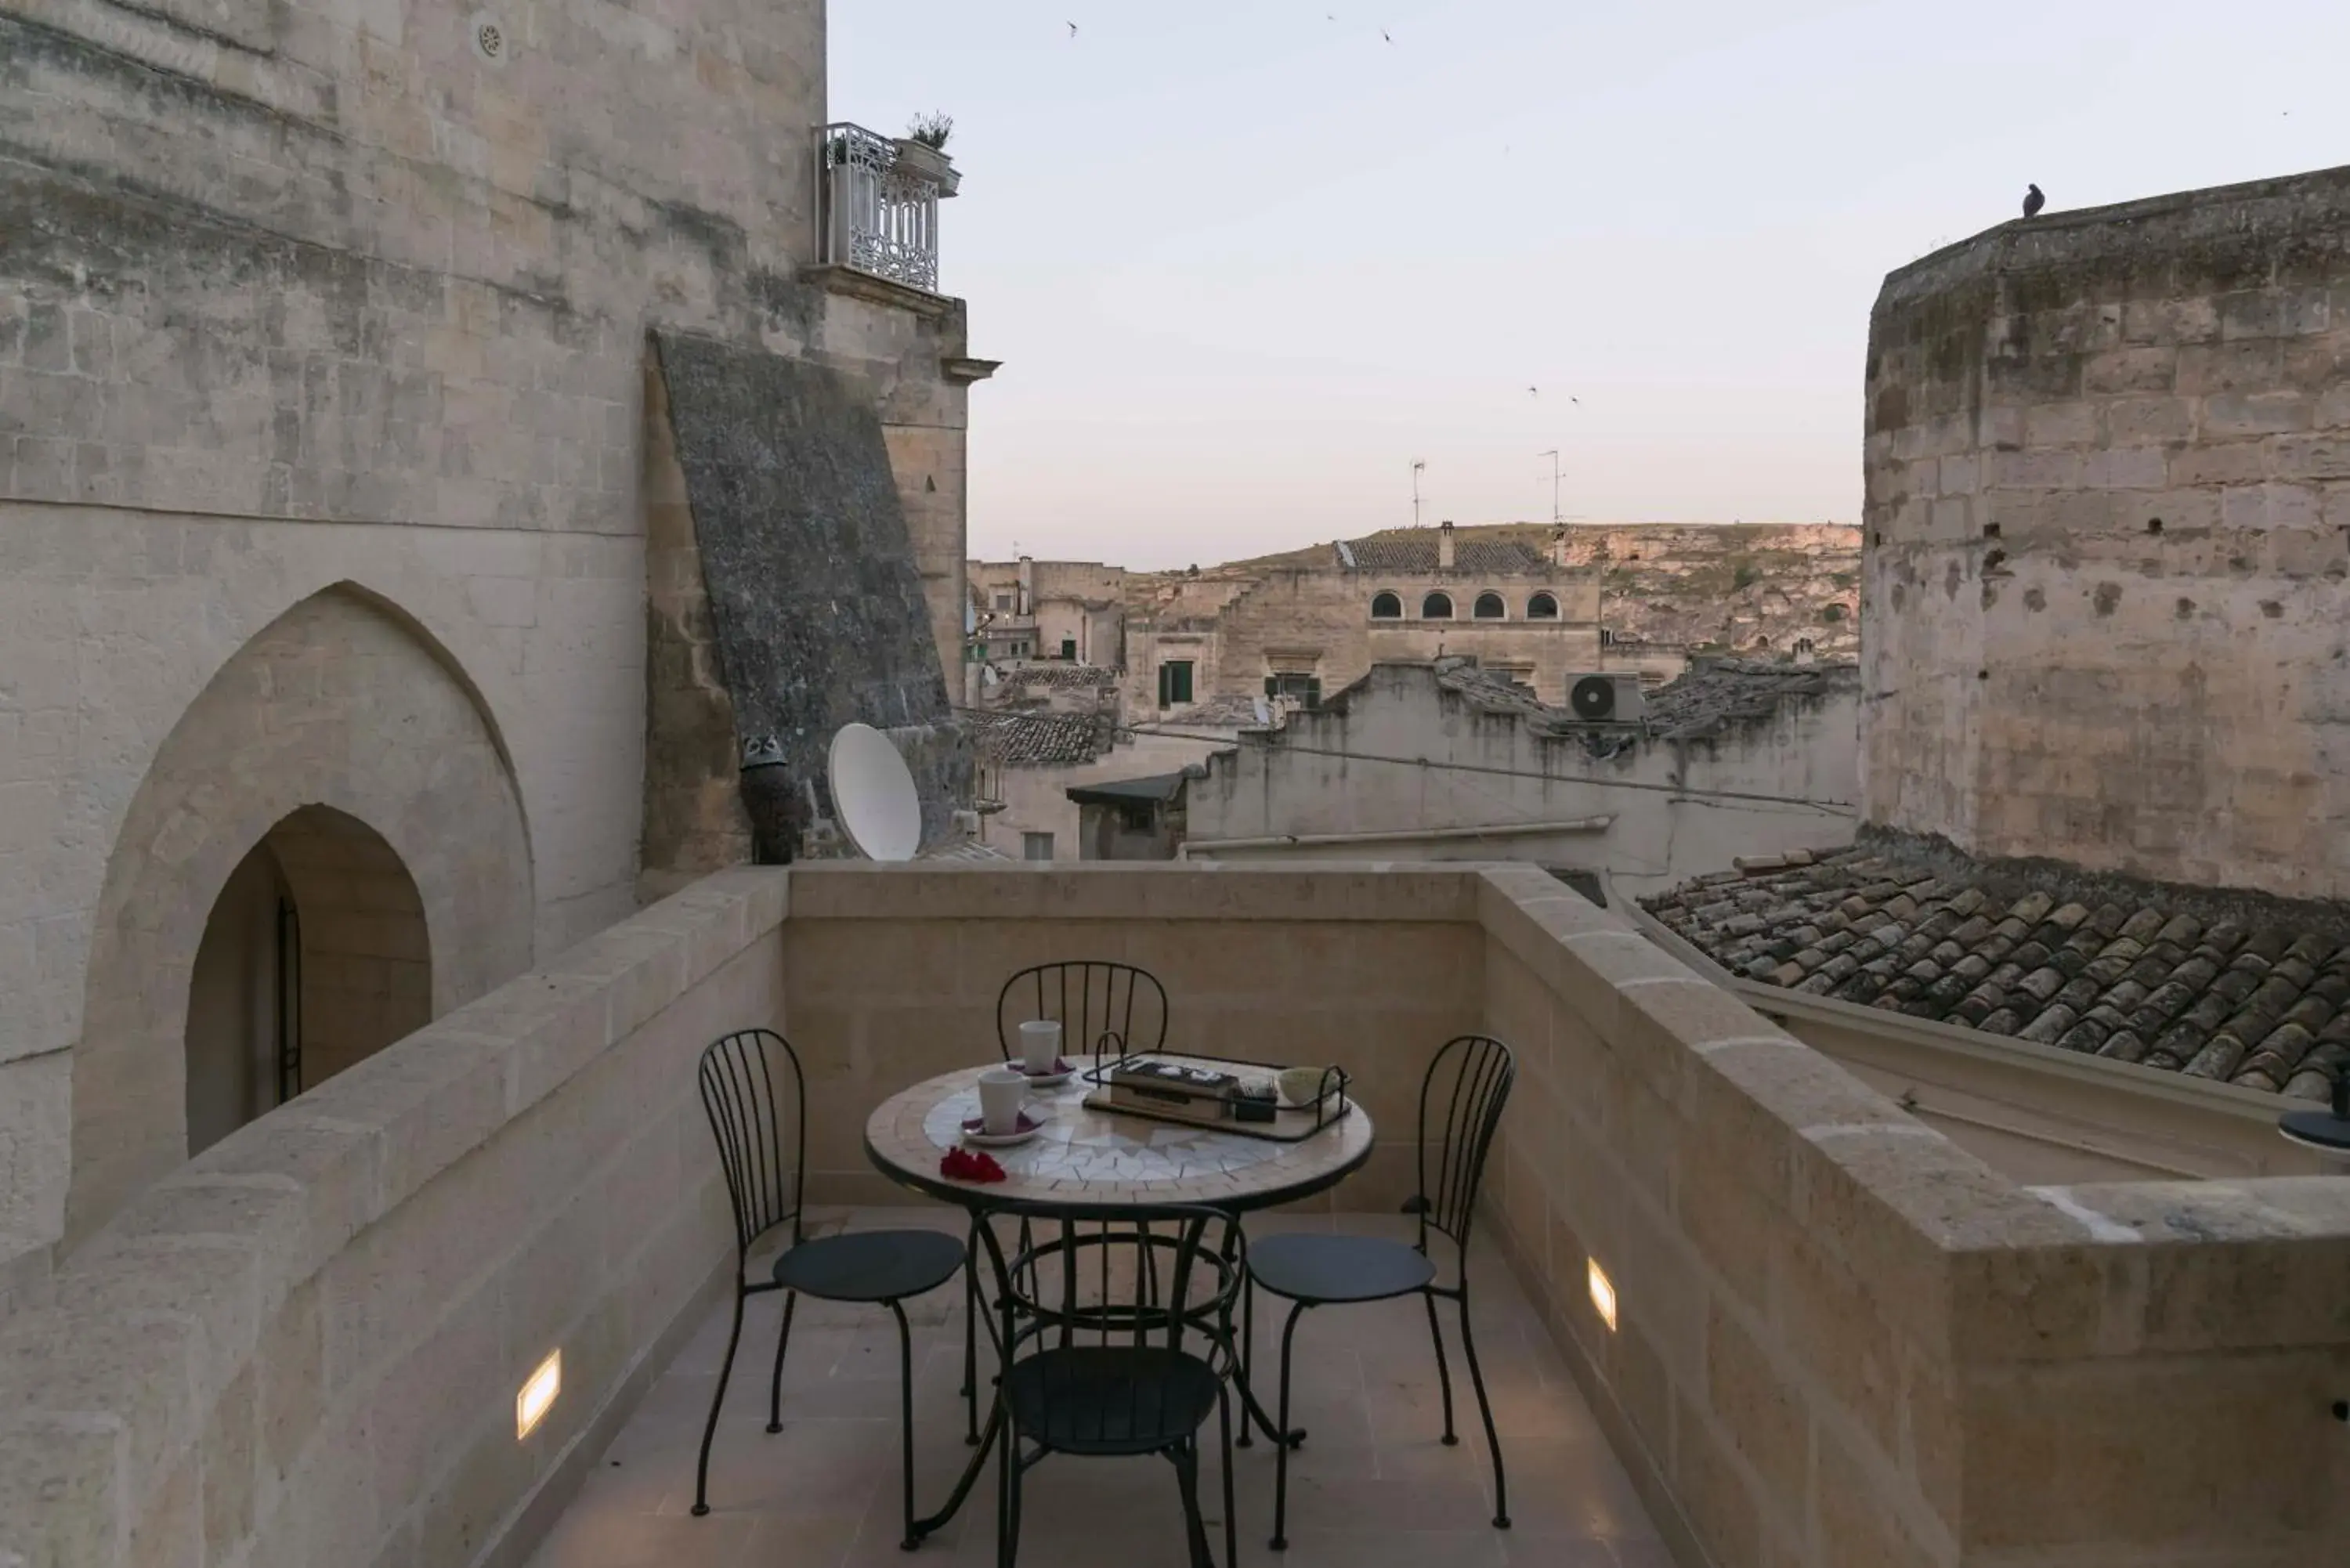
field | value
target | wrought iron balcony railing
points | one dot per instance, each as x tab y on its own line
878	204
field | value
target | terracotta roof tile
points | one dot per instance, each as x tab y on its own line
2266	1005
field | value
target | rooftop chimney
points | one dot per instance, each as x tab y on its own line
1558	546
1444	546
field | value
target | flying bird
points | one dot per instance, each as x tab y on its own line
1383	33
2034	200
1073	29
1533	392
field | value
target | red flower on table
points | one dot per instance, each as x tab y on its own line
962	1165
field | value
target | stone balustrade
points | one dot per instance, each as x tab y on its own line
1838	1338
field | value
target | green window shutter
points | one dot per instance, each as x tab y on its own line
1165	684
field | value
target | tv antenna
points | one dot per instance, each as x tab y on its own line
1417	464
1552	455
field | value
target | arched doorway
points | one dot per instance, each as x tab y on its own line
316	955
348	740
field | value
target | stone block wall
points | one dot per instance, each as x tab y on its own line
1840	1339
315	293
304	1345
893	975
2108	467
1317	775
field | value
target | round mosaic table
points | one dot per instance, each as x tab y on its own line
1083	1155
1087	1155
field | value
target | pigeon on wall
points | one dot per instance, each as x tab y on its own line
2033	201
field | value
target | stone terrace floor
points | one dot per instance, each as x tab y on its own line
1372	1487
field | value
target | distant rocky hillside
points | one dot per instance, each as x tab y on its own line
1694	586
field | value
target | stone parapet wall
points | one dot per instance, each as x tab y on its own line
1841	1339
2109	482
894	973
302	1346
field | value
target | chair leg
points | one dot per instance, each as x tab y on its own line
970	1336
710	1427
1484	1408
1009	1552
1248	1346
1186	1456
775	1384
1443	1372
1231	1522
906	1418
1281	1445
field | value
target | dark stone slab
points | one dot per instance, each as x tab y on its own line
814	597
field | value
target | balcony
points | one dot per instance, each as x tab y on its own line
1827	1334
878	204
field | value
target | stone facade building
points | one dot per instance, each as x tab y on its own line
1448	762
1069	610
349	558
2106	580
1296	632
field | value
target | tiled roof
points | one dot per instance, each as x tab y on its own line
1715	693
1068	677
2255	1001
1014	739
1223	710
1416	553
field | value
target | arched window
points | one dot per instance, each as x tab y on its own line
1489	606
1436	606
1543	607
1387	606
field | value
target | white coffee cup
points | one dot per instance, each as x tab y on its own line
1040	1044
1001	1093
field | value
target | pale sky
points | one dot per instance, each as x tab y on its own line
1244	263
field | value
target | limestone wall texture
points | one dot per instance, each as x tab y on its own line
1838	1338
1362	766
302	1347
2108	466
304	292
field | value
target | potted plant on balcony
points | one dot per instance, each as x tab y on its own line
922	151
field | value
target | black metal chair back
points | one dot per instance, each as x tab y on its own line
1460	1101
1102	1008
765	1176
1116	1274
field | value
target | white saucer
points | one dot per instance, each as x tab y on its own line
972	1135
1047	1080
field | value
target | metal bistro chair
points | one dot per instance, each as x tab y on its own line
1097	1003
765	1181
1094	1002
1093	1304
1325	1270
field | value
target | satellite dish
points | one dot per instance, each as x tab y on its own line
1263	710
874	793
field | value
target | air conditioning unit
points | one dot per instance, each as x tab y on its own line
1608	699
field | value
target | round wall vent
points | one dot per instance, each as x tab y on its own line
491	40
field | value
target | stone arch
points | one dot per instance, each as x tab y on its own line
1386	604
1489	606
344	703
1543	607
1436	606
316	956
